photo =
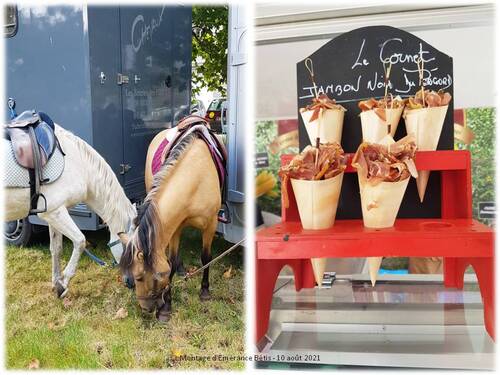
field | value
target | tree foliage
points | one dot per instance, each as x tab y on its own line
482	122
209	48
265	133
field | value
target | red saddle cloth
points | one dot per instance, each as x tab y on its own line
200	126
157	157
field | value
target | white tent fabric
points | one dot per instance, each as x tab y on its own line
447	29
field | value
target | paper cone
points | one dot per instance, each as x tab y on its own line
426	124
328	126
380	203
319	265
317	201
374	128
386	140
422	179
386	198
374	265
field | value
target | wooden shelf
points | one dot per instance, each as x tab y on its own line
455	236
349	238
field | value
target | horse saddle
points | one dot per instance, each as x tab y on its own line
17	176
33	143
32	137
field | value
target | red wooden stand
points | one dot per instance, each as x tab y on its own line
455	236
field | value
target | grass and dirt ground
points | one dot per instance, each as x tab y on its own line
84	331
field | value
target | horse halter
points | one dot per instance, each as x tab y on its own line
159	294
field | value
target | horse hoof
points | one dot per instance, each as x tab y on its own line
60	290
163	316
181	272
205	295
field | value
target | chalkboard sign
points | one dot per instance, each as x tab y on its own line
486	210
261	160
349	68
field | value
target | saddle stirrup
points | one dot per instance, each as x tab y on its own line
224	216
36	176
35	210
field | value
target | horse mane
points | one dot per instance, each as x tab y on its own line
116	209
148	218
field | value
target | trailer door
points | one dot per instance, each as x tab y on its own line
105	64
146	80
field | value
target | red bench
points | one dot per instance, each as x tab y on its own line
455	236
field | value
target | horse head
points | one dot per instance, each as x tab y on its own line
149	273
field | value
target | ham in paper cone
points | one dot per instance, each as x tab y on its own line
383	173
323	119
425	118
316	185
377	114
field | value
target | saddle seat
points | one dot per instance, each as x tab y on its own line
31	129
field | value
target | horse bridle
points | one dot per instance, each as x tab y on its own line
159	294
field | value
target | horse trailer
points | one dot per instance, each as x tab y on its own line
113	75
233	122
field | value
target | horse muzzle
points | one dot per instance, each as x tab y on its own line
129	282
150	303
148	306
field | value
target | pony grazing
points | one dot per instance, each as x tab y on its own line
86	178
185	191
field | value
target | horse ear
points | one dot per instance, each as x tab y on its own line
123	238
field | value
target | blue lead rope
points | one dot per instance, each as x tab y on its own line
95	258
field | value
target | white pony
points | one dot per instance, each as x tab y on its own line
86	178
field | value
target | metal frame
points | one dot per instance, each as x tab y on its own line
389	326
235	122
328	23
405	346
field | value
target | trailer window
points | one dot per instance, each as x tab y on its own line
10	21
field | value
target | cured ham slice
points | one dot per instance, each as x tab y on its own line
431	99
385	103
331	161
386	163
319	103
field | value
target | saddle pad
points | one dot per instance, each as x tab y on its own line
17	176
216	149
157	157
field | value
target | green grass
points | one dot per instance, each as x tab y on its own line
84	334
395	263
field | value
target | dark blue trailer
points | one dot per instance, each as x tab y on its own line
115	76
